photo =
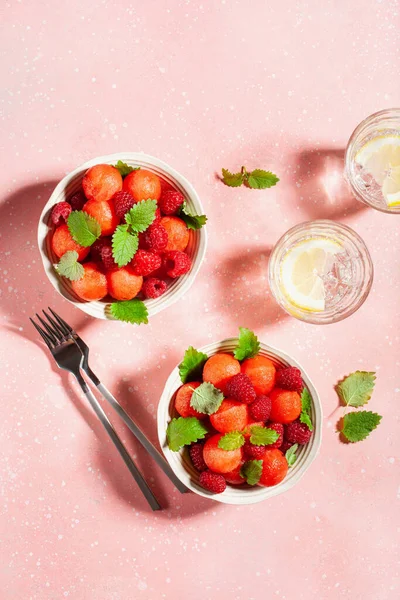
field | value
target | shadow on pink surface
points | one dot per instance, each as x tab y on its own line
19	217
321	182
174	504
244	289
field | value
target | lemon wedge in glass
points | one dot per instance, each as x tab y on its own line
302	270
381	158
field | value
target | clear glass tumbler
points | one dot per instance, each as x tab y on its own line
377	130
326	260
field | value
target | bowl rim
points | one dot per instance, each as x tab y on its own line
97	309
257	493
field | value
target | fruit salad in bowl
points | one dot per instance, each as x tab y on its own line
239	421
122	236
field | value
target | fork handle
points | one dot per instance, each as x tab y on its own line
138	477
140	436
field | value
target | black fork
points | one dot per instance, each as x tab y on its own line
68	332
69	357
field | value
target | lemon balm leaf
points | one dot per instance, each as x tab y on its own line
251	471
69	266
192	221
356	389
248	345
141	215
232	179
231	440
358	425
262	436
192	365
130	311
124	245
124	169
84	229
291	455
184	431
260	179
206	398
305	415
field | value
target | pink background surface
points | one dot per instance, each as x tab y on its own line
202	86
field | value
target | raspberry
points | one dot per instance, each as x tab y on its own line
145	262
153	288
196	455
279	430
123	201
240	388
96	248
285	446
157	215
155	238
60	213
289	378
297	433
107	258
253	451
78	200
213	482
170	201
177	263
260	409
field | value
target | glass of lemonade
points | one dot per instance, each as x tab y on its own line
320	271
372	161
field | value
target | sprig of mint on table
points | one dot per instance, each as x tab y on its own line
257	179
355	390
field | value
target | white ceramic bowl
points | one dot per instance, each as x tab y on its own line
237	494
72	182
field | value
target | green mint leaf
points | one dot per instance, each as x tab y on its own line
141	215
358	425
291	455
192	221
356	389
306	419
232	179
183	431
231	440
262	436
69	266
124	245
259	179
124	169
84	229
192	365
251	471
305	416
248	345
130	311
206	398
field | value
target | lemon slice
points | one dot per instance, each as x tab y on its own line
381	158
302	270
391	187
